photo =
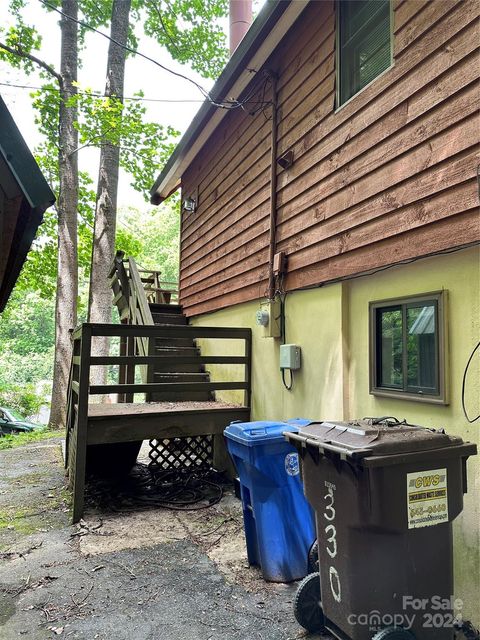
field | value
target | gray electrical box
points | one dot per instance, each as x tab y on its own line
290	356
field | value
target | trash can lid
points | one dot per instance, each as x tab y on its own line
252	434
376	437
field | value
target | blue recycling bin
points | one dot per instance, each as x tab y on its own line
279	522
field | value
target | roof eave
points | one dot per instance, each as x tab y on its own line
274	20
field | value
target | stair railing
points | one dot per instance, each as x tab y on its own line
158	291
80	391
131	299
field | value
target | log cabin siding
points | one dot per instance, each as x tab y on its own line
390	176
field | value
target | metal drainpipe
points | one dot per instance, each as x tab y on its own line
273	188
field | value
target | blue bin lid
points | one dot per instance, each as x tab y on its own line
252	434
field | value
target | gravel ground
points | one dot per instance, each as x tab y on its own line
158	575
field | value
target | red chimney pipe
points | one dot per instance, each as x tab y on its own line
240	21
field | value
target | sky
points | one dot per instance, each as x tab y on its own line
140	74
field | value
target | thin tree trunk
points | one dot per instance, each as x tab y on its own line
100	295
67	276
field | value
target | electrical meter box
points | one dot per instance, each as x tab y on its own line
268	317
290	356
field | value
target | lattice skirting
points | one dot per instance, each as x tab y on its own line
193	452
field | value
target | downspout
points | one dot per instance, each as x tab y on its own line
273	188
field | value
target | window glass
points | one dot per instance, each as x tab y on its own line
364	44
391	347
421	348
408	354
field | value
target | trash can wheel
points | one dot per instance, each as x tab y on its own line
307	607
313	558
393	633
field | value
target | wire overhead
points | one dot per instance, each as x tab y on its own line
99	94
225	104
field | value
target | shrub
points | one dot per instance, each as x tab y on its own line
23	399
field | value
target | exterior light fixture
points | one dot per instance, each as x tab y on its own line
286	160
189	205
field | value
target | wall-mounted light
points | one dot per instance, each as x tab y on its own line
189	205
286	160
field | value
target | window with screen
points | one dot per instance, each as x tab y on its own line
363	44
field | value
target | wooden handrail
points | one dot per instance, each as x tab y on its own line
163	331
139	300
140	349
80	388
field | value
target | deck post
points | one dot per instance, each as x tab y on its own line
122	369
248	371
77	479
130	368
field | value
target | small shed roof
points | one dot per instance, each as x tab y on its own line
267	30
24	197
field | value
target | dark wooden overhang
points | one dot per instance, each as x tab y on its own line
24	197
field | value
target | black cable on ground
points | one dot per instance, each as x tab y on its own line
188	489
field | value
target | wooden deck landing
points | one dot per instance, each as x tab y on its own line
110	423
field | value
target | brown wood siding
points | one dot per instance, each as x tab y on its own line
388	177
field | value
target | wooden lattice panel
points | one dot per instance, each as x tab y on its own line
192	452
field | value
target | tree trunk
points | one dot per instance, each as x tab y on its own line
100	295
67	275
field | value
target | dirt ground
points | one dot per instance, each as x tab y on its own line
148	575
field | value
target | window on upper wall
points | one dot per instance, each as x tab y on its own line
364	44
407	348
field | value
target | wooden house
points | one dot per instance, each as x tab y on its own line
330	186
24	197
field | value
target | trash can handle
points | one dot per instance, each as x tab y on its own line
321	445
296	436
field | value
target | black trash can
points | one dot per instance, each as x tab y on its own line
385	494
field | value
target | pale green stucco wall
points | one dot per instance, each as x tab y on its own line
458	273
313	321
331	326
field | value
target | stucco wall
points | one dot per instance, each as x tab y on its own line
331	326
458	273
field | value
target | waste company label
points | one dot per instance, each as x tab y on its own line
427	499
292	464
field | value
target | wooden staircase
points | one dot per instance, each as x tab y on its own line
158	312
159	357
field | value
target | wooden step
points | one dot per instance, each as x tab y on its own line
181	396
165	308
180	350
169	318
178	367
175	376
174	342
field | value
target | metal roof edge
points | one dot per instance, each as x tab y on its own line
261	32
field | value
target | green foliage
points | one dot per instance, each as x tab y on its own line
22	39
19	439
128	241
144	146
40	270
27	331
191	32
27	324
22	399
158	231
